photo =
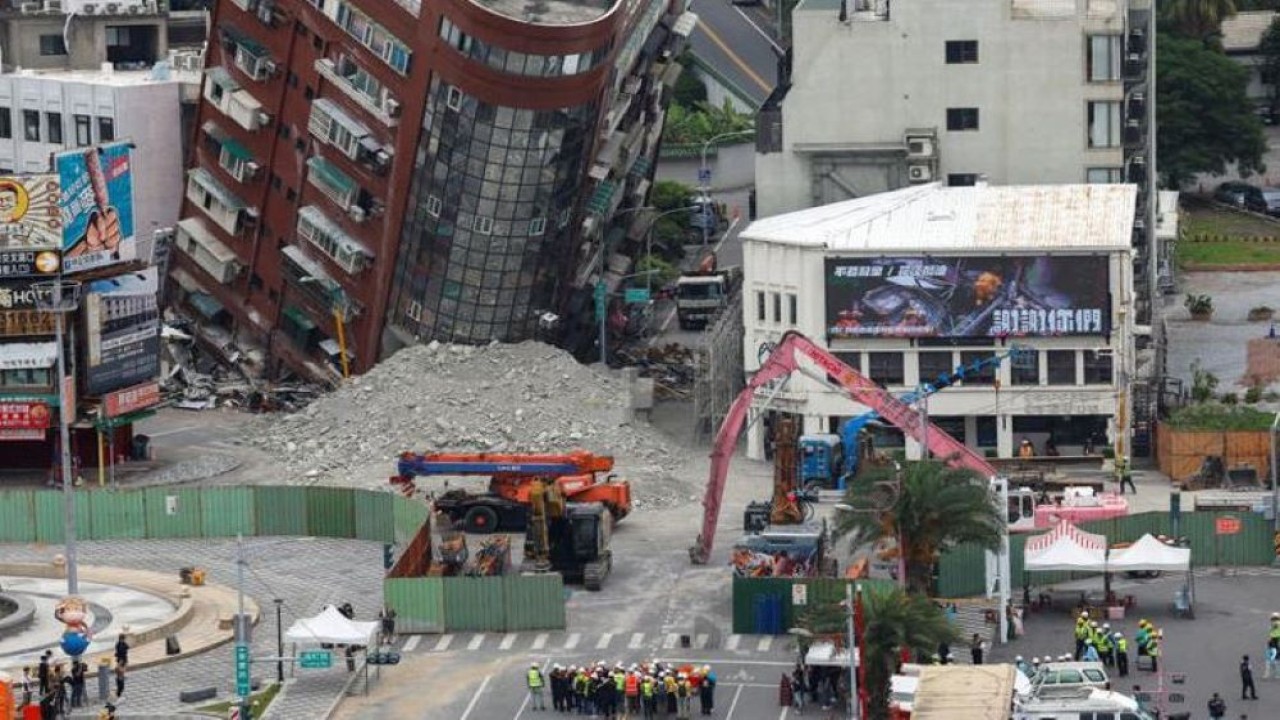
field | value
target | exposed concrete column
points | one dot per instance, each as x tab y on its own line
755	435
1004	436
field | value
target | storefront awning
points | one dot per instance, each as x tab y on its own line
205	304
21	356
122	420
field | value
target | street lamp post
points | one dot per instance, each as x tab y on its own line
59	298
279	641
704	179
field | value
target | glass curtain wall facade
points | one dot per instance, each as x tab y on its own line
493	205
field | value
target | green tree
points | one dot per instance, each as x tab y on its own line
1206	118
670	194
689	90
695	125
937	507
1197	19
894	620
1269	67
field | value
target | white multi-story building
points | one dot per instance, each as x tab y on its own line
883	95
909	285
42	113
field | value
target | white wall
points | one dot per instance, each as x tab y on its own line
785	269
868	81
146	113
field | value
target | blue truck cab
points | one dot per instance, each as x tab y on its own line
821	460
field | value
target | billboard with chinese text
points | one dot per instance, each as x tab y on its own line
30	213
122	332
969	296
97	207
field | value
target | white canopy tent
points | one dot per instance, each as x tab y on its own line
332	628
1148	553
1066	547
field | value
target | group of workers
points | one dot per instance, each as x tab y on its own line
645	690
1094	643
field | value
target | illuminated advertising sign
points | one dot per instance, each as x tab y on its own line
971	296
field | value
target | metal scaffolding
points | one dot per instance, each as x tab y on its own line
718	370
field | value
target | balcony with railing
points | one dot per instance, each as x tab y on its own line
358	85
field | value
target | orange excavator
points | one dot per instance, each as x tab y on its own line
580	476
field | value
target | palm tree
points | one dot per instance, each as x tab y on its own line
1197	19
936	507
894	620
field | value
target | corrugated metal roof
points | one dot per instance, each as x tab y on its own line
932	218
1243	31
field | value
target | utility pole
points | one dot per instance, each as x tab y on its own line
243	687
854	693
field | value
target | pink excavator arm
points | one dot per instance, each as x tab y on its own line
782	362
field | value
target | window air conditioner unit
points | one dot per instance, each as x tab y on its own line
113	8
264	118
392	107
382	158
31	7
135	9
269	67
920	147
252	169
919	173
53	6
357	213
89	9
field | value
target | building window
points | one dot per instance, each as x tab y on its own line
334	126
1103	58
54	121
84	130
1062	367
852	359
760	306
1026	371
6	123
1103	176
52	45
985	376
777	307
415	311
434	206
537	226
484	225
792	309
1097	368
886	368
1104	124
106	129
454	99
322	232
31	125
959	119
934	365
962	179
962	52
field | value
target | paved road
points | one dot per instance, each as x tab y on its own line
727	41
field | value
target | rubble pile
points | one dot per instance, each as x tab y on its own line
528	397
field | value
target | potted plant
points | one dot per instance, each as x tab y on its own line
1262	312
1200	306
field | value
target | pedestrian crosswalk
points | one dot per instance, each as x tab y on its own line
560	642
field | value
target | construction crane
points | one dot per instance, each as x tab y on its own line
785	360
852	428
577	475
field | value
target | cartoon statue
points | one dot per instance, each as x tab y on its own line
73	613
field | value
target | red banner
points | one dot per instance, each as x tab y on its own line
138	397
24	416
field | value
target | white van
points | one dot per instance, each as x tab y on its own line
1096	705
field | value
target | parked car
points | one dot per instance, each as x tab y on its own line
1058	678
1241	195
1272	196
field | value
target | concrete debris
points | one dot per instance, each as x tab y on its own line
191	469
670	366
528	397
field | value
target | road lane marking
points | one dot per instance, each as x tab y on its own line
539	642
732	644
604	641
776	47
733	56
476	642
783	716
476	698
765	643
701	641
671	641
507	641
527	696
637	639
728	661
572	641
443	643
412	644
737	694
